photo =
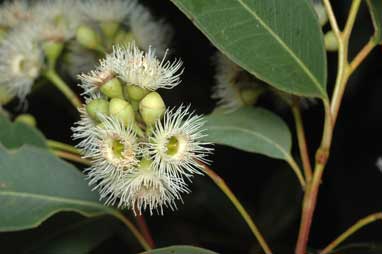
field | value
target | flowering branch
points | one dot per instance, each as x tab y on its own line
231	196
360	224
331	112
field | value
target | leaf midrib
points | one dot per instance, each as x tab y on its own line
280	148
299	62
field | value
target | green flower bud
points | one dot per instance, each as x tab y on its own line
109	28
97	106
123	37
249	96
87	37
5	96
27	119
331	43
152	108
135	93
122	110
112	88
53	50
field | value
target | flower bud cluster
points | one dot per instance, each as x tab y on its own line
142	152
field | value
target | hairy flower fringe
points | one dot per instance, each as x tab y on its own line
108	10
186	127
143	69
148	32
54	21
134	67
226	91
21	61
12	13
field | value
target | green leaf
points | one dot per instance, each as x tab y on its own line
14	135
251	129
375	8
34	185
280	42
180	249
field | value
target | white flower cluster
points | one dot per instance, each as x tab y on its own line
78	31
142	154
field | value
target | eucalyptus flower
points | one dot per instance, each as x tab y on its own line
148	32
175	145
140	152
144	69
21	61
147	189
107	11
134	67
234	86
54	21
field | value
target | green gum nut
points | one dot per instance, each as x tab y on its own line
135	93
249	96
27	119
53	50
112	89
5	96
96	107
122	110
331	42
87	37
123	37
152	108
109	28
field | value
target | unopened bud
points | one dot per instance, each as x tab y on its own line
135	93
109	28
53	50
97	107
112	88
331	42
27	119
87	37
152	108
249	96
122	110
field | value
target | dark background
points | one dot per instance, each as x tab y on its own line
351	186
